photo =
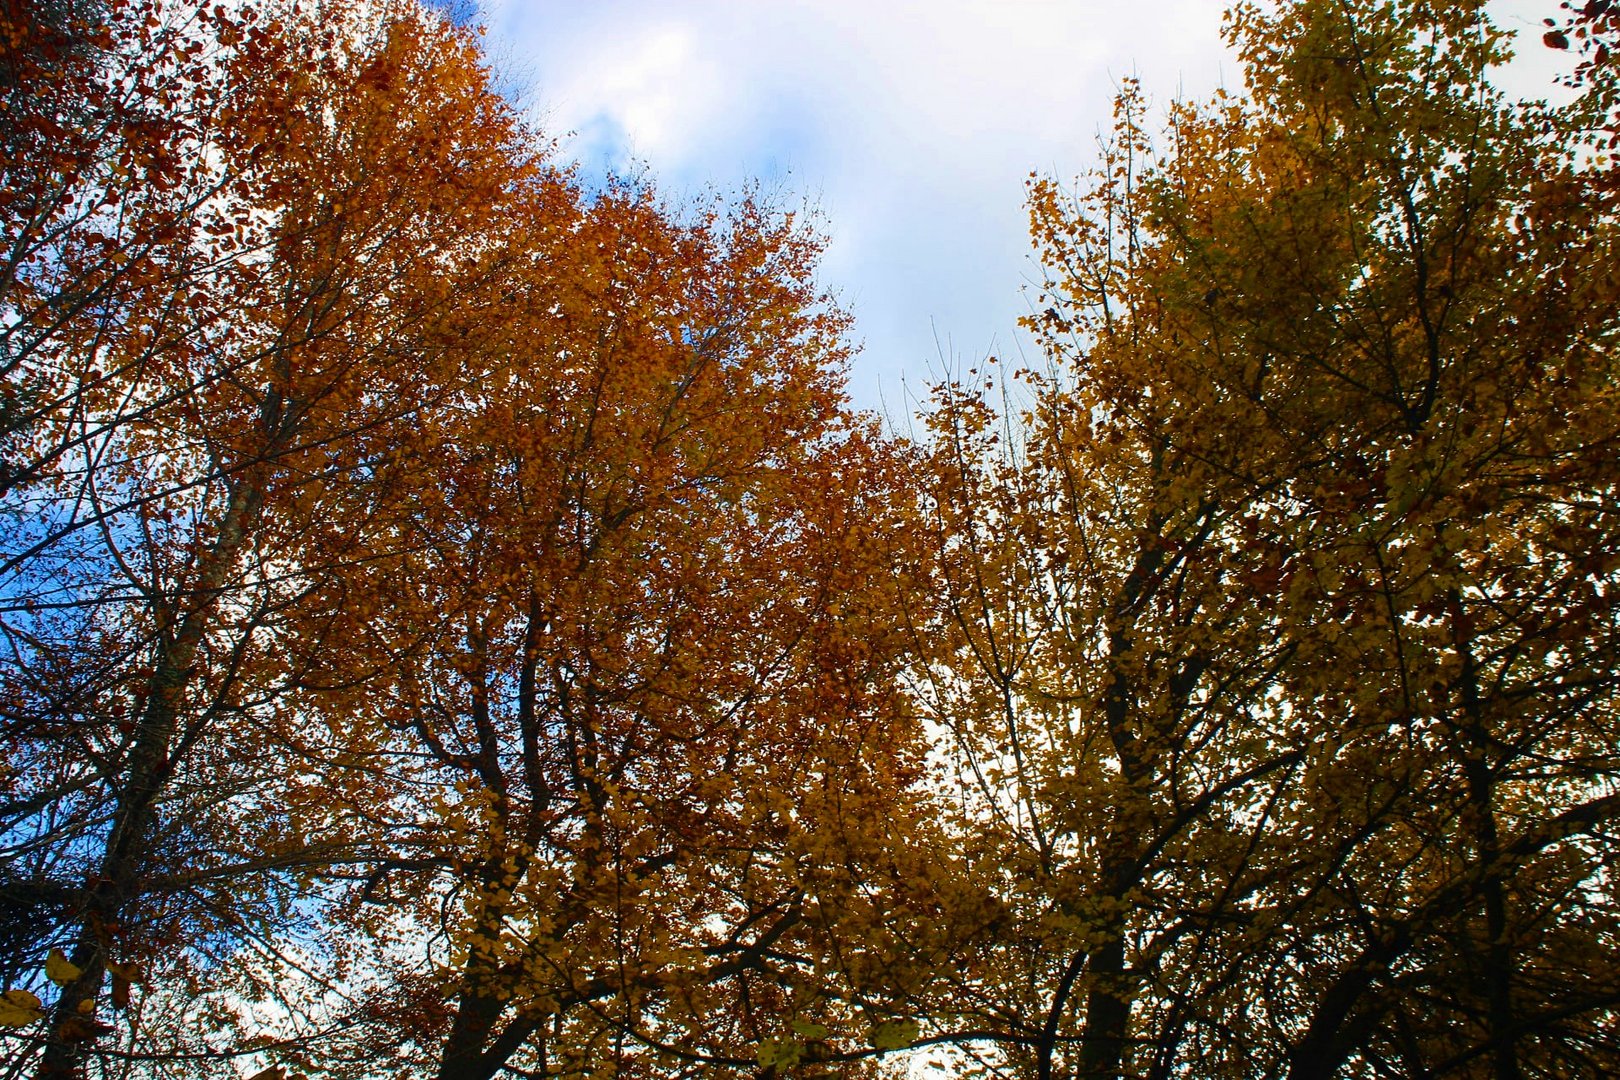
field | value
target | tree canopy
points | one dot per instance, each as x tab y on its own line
1282	624
454	623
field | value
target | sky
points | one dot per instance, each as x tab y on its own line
911	126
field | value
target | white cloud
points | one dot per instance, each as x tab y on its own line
913	122
652	92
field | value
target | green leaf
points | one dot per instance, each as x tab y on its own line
780	1053
809	1029
894	1034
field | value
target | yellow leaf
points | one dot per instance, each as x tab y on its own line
18	1008
59	969
130	973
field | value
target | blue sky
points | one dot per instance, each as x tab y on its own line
910	124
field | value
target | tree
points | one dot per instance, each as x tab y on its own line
241	246
1281	631
637	664
1590	29
449	612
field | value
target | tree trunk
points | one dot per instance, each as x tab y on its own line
124	859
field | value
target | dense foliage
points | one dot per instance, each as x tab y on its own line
1283	674
455	625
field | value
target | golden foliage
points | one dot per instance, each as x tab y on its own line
1280	650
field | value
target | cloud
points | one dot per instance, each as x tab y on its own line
651	93
913	123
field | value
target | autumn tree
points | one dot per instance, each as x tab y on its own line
634	660
1279	667
239	245
450	613
1590	30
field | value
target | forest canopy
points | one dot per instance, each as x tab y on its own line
453	622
